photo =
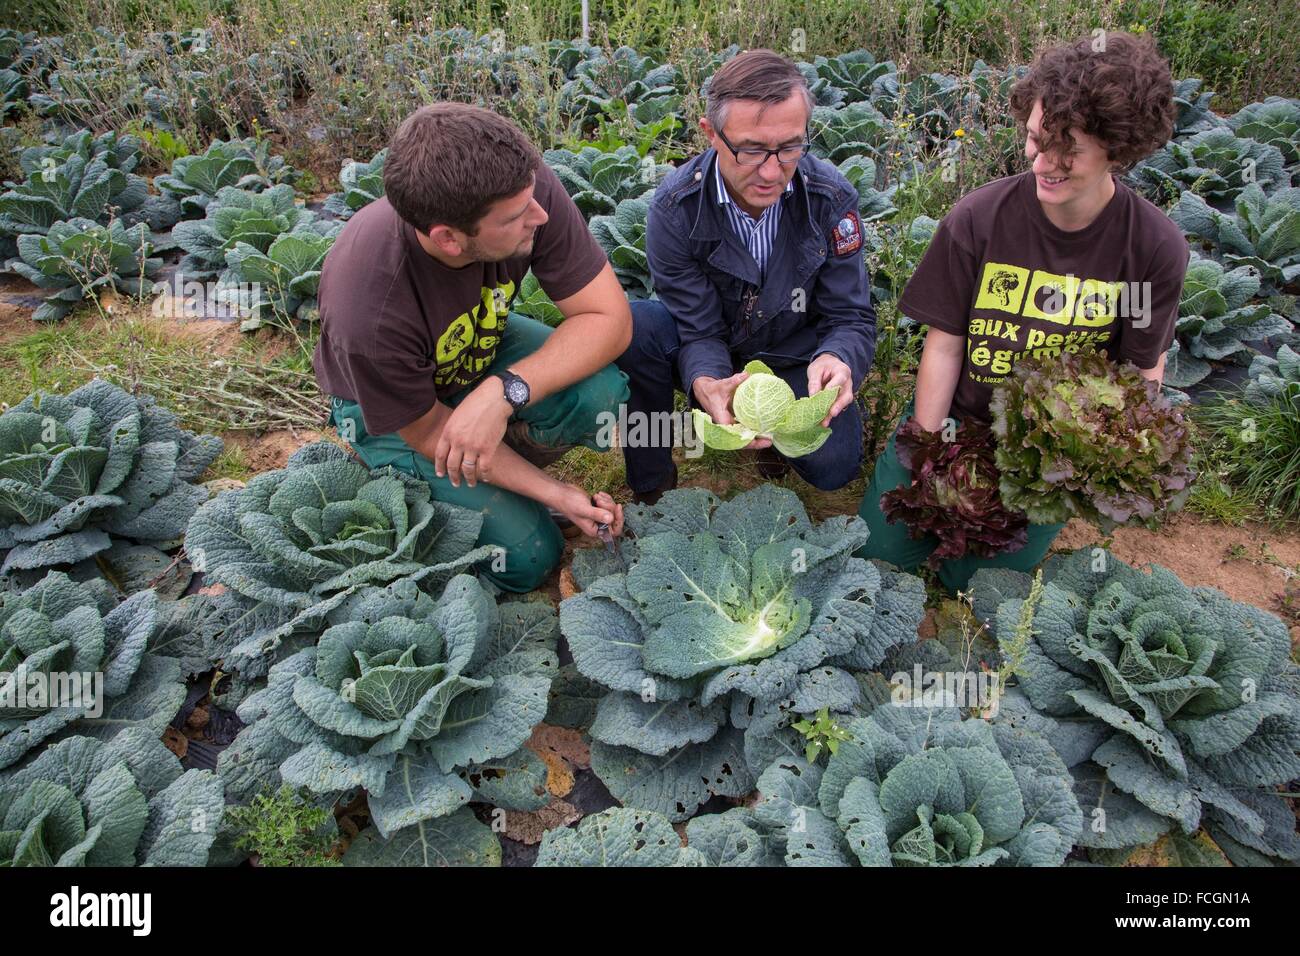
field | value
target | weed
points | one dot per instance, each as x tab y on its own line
1255	453
280	829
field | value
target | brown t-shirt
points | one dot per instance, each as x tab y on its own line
1001	274
399	329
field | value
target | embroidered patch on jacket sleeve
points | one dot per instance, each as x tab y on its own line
846	237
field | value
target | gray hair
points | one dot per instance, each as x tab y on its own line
756	75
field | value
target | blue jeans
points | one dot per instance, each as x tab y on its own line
650	363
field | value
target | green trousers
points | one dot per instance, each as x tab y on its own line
521	527
891	541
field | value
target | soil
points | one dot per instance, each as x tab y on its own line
15	322
218	337
18	299
529	828
272	450
1252	563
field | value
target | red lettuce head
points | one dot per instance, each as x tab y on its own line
1081	436
954	493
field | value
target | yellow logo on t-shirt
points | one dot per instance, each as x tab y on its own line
1002	287
1051	297
469	343
1089	309
455	340
1098	302
1037	294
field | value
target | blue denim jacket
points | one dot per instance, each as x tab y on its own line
707	279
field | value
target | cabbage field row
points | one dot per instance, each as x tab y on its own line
731	687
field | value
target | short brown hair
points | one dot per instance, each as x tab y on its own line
1113	86
761	75
449	162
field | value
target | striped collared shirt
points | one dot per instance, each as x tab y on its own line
759	234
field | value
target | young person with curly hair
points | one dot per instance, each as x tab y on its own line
1063	257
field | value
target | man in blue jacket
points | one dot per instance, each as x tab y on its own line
755	249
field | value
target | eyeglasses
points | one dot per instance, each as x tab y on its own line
757	157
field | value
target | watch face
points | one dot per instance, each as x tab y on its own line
517	392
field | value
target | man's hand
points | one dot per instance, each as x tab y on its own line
472	434
714	396
826	371
576	505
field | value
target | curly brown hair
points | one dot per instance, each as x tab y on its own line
1113	86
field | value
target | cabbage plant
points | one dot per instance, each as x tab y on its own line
235	217
824	93
533	302
286	275
1215	163
858	129
295	543
854	74
78	470
71	189
1080	436
618	837
626	837
129	199
873	204
1194	113
919	786
79	259
126	802
13	93
1273	377
24	51
598	181
648	88
196	180
765	407
566	55
75	93
933	104
622	236
62	627
1183	701
993	87
1264	233
453	54
423	703
1218	314
117	150
362	184
717	626
1275	121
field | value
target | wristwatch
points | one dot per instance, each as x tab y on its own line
516	389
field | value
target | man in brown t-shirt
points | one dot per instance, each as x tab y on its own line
1063	257
427	369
